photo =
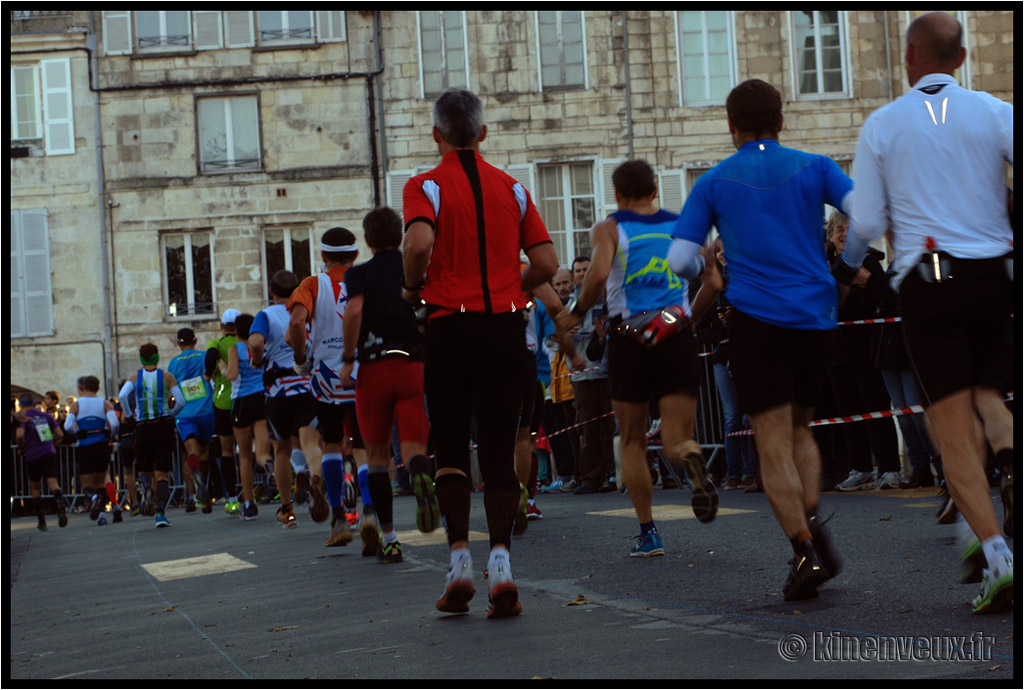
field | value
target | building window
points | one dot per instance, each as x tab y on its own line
188	272
26	114
706	56
162	30
443	55
288	249
562	53
284	27
567	201
42	107
31	290
229	133
819	52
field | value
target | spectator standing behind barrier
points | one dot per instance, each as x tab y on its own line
563	398
931	165
35	436
767	202
901	382
857	383
713	330
466	224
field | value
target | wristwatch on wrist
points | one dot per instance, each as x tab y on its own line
573	307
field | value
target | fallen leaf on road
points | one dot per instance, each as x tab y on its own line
283	627
885	519
169	608
580	600
798	612
993	668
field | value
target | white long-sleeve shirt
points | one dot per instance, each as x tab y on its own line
931	165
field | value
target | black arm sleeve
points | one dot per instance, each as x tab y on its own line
212	357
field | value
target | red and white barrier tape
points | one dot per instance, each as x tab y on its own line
892	319
882	414
577	426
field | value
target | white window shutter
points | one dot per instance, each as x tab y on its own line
207	30
238	29
25	129
330	26
38	295
17	293
670	190
524	175
396	188
58	107
117	33
607	191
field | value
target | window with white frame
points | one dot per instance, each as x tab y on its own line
163	30
706	56
292	26
42	107
188	273
443	55
819	52
562	53
288	248
229	133
31	289
567	202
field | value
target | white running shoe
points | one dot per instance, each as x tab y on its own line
459	587
857	481
888	480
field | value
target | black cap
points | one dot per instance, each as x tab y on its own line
186	336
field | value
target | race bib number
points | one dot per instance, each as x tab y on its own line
43	431
193	389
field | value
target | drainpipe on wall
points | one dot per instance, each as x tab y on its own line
108	367
629	96
888	58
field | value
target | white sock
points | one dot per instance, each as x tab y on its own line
389	537
995	547
298	460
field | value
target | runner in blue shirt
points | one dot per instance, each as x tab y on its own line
767	202
196	424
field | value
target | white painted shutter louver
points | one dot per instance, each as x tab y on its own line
35	262
396	187
523	175
17	294
609	205
207	30
330	26
670	190
58	107
117	33
238	29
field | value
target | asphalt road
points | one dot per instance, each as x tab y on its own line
118	602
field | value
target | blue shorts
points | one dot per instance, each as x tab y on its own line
201	427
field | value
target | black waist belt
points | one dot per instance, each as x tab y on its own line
937	267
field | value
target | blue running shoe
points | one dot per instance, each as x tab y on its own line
162	521
647	545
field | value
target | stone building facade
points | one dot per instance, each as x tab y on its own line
213	148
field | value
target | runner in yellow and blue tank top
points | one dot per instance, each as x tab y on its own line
196	422
629	260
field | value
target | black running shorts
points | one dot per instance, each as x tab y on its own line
772	366
93	458
42	467
335	422
248	410
287	414
959	332
155	443
639	374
